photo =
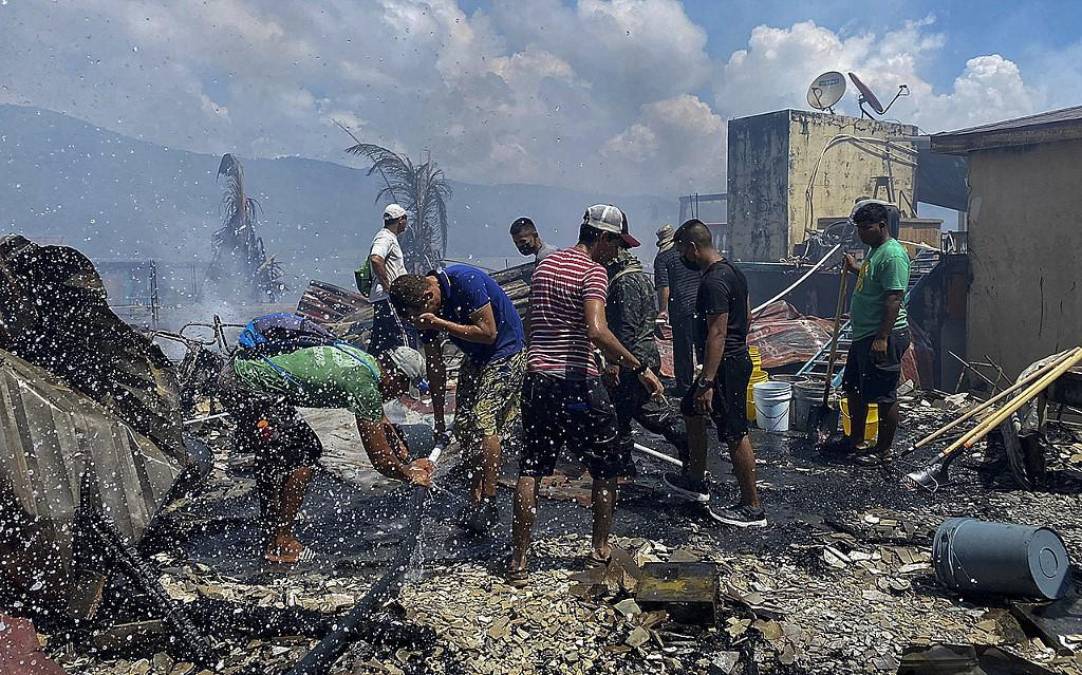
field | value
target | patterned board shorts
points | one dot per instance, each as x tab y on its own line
487	401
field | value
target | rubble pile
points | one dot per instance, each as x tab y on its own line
842	581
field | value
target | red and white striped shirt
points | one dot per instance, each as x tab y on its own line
559	289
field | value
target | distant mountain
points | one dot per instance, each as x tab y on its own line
118	198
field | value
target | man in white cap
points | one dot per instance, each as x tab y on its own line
387	264
564	403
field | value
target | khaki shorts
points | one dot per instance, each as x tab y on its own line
487	401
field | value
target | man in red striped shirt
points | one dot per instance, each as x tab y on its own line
564	401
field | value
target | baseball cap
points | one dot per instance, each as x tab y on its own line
608	218
409	362
393	212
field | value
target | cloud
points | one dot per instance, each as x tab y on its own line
774	71
682	135
610	95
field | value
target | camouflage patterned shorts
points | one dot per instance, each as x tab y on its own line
487	401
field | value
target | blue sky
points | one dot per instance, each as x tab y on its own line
629	96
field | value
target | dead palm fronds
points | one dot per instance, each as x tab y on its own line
421	189
236	241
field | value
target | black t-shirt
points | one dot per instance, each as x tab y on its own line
724	290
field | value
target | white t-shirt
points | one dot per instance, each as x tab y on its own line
386	246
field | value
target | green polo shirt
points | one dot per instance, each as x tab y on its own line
319	377
885	269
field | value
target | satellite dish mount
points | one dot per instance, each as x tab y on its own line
866	95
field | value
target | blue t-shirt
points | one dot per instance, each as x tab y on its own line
467	289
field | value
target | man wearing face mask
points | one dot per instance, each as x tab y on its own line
722	317
564	402
528	241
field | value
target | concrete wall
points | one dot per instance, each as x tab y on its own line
1024	239
758	186
771	162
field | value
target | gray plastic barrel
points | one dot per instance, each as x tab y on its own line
806	395
977	557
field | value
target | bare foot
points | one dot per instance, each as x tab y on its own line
286	550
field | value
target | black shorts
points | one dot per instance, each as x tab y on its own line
874	379
730	413
578	414
286	443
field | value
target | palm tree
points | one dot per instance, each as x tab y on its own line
423	191
237	241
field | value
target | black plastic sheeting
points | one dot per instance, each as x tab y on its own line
942	180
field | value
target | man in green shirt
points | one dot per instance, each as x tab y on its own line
262	393
880	334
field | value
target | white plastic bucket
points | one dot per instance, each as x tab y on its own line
772	405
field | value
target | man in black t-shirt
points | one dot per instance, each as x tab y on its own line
722	317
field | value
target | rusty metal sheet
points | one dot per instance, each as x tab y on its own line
50	437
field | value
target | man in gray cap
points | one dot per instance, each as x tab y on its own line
388	264
262	386
564	403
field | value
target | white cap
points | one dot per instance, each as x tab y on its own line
393	212
409	362
608	218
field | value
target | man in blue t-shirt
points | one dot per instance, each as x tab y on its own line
470	307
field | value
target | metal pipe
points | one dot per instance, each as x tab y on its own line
197	420
972	369
1034	376
659	455
799	281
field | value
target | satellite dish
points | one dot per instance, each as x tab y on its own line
826	90
869	97
866	94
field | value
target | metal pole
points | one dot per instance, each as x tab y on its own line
659	455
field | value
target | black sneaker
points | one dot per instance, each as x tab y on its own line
739	516
480	518
875	459
838	444
681	486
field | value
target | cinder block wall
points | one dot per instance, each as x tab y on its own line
771	161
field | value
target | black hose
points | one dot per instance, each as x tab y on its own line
322	657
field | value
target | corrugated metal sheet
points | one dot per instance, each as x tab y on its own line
50	436
1046	127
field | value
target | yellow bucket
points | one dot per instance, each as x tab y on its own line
871	424
756	359
756	377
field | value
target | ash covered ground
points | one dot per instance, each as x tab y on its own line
840	581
